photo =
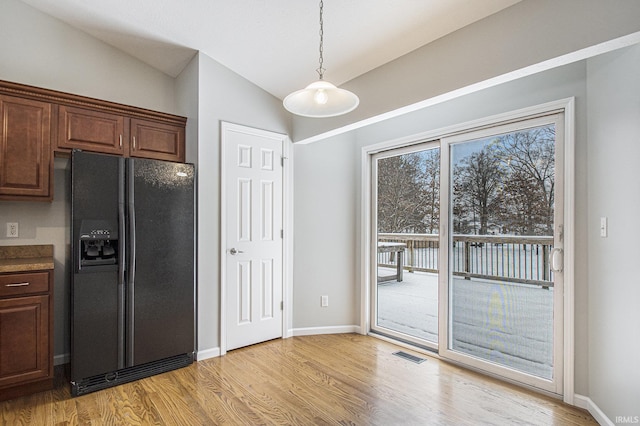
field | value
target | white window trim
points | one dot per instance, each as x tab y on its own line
565	105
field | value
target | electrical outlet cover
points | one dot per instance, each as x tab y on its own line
12	230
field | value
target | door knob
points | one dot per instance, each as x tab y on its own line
233	251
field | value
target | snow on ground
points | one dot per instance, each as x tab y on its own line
505	323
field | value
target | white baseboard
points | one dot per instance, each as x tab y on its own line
61	359
339	329
207	353
586	403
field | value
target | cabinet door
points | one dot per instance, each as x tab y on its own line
24	339
91	130
159	141
25	148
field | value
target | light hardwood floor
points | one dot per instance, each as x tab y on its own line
326	379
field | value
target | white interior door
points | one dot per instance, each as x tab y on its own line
253	246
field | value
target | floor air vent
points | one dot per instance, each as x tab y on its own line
409	357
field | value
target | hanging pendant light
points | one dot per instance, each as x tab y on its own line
321	98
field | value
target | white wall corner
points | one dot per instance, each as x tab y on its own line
207	353
586	403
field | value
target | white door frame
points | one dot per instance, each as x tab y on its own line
568	107
287	224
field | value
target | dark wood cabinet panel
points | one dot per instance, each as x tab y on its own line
24	339
25	149
91	130
160	141
26	333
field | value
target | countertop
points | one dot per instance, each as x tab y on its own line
26	258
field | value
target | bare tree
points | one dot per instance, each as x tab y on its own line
529	156
477	191
401	199
431	187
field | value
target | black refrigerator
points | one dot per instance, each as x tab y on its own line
132	289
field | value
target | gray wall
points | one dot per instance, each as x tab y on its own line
38	50
325	256
525	34
614	292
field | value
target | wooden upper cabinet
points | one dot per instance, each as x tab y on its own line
109	133
91	130
35	123
25	149
159	141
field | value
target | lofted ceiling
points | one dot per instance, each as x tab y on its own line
272	43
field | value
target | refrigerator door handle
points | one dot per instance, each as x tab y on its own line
131	266
122	256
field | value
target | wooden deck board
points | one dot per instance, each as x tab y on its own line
310	380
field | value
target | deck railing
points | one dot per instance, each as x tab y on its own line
519	259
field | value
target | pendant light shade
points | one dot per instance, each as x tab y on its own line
321	98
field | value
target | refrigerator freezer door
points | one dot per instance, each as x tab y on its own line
96	294
161	295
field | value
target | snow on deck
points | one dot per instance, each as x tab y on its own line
505	323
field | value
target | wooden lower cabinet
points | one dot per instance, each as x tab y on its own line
26	333
25	149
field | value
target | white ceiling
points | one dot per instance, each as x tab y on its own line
273	43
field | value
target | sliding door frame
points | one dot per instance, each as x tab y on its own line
567	106
373	214
554	385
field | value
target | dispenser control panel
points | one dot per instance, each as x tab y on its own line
98	233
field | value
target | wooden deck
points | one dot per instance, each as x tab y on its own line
311	380
519	333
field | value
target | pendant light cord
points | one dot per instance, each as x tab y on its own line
321	70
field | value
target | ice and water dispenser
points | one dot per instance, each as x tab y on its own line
98	244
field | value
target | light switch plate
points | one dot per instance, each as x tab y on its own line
603	227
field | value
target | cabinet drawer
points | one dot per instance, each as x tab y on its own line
24	283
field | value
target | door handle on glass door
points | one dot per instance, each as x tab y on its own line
233	251
556	260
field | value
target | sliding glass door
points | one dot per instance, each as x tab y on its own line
405	252
502	280
466	248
